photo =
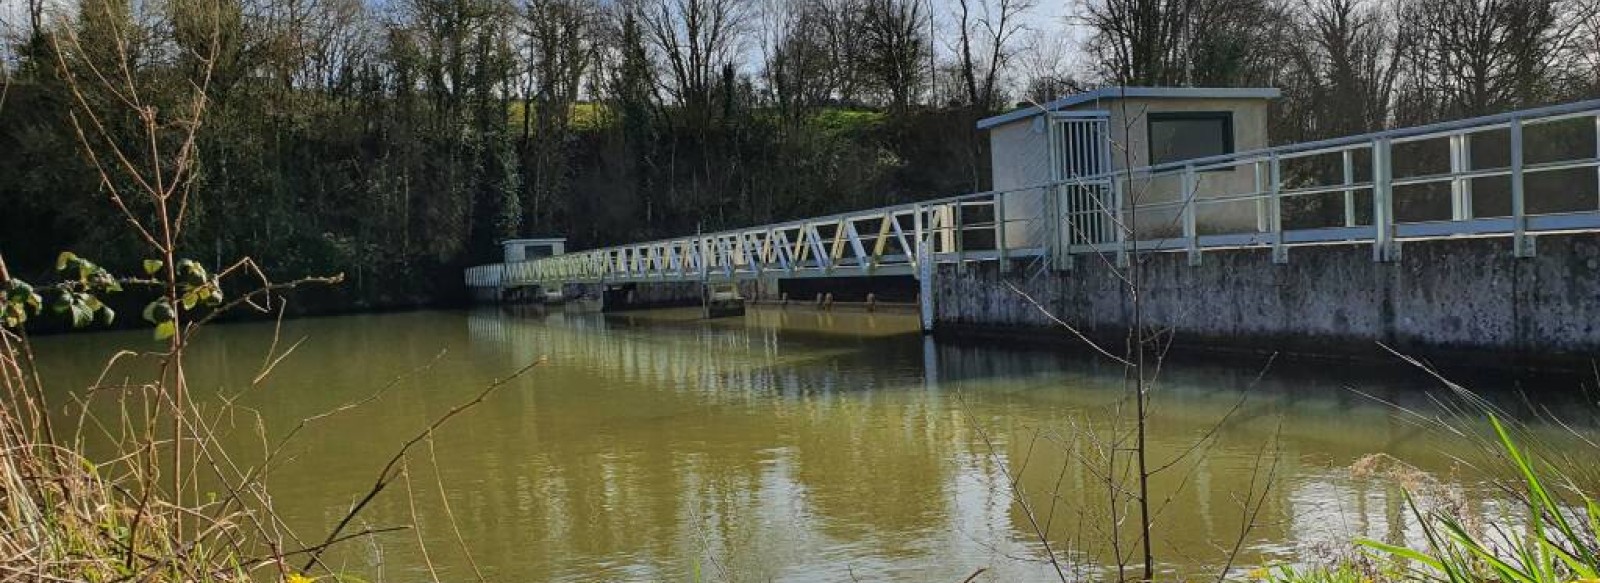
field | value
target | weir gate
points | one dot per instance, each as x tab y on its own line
1514	177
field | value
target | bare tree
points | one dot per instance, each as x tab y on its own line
987	35
1181	42
842	24
896	48
1474	57
1045	68
696	39
1584	73
561	50
1341	71
796	51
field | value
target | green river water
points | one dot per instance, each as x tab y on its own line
788	446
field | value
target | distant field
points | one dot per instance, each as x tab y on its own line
585	116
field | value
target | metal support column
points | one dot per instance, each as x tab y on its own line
1348	157
1383	243
1191	235
1460	186
925	273
1118	210
1521	243
1000	232
1280	254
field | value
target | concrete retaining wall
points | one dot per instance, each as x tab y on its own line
1461	298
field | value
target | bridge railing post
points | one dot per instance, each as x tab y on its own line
1521	244
918	235
1191	235
1383	247
999	203
958	231
1460	185
1347	158
1119	226
1258	170
1050	210
1280	253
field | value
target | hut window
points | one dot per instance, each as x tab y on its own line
1178	136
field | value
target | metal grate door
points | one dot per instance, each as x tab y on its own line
1080	149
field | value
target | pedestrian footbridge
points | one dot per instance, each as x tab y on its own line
1517	175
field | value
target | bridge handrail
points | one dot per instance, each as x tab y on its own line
1108	201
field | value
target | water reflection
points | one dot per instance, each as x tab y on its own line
793	445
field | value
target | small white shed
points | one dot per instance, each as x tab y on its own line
1117	128
530	249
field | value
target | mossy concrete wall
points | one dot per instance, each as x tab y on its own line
1467	299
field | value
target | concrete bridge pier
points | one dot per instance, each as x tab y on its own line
717	299
622	297
722	300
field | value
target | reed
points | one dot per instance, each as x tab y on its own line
1546	468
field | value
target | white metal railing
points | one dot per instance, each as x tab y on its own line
882	241
1229	201
1172	208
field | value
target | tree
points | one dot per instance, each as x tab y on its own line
1182	42
1340	76
988	31
797	58
1045	70
1474	57
895	47
561	52
696	39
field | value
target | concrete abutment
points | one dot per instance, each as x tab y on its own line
1460	299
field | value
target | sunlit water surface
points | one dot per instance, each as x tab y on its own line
787	446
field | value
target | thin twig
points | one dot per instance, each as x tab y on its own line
387	474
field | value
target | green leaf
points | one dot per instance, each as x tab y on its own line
166	330
158	311
14	316
63	259
151	266
191	272
1401	552
106	315
81	315
190	298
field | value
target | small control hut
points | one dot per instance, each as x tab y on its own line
1058	157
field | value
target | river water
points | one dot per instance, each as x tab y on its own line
796	446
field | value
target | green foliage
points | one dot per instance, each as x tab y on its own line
20	303
380	169
77	297
852	123
195	287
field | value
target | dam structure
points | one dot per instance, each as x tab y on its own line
1473	236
